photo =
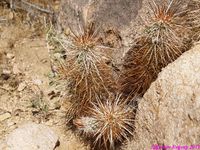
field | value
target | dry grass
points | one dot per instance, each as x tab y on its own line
162	42
109	122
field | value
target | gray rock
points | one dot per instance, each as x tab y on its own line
32	136
169	113
110	13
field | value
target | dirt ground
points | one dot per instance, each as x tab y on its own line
27	92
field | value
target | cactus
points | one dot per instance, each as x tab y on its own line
162	41
85	68
109	121
164	35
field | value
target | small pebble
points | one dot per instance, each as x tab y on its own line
16	69
37	82
10	56
4	116
21	86
5	71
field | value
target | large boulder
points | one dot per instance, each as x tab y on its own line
169	112
32	136
110	13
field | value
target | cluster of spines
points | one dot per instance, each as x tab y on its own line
91	83
111	119
86	69
162	42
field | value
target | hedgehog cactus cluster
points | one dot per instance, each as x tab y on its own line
162	41
85	68
103	108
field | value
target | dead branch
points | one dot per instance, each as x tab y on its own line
34	6
24	5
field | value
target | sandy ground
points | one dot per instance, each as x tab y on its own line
26	90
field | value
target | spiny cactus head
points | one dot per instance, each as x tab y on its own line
165	34
109	122
165	11
88	37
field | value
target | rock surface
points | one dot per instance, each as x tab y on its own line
113	13
169	112
32	136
